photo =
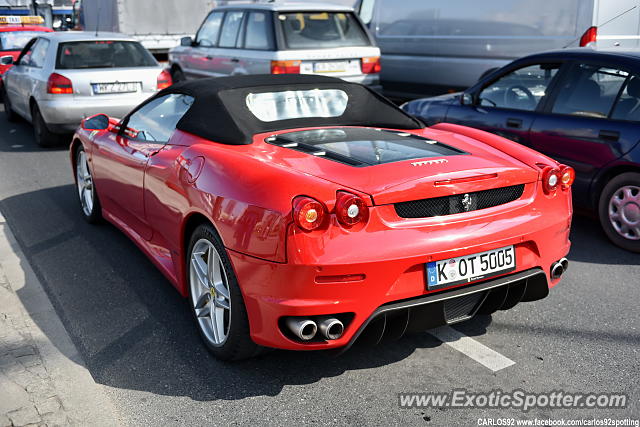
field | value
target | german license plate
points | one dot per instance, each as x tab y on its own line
468	268
330	67
117	87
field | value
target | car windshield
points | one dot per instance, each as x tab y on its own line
16	40
321	30
103	54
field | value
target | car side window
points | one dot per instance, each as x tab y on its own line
208	33
39	53
230	29
628	105
258	32
522	89
156	121
25	56
589	90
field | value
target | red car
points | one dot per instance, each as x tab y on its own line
304	212
15	33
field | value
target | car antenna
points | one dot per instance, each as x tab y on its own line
601	25
98	20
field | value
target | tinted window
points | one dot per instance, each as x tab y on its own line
321	30
103	54
628	106
258	32
366	146
230	29
157	120
16	40
208	33
521	89
446	18
589	91
39	53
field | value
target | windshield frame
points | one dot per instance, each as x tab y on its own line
282	43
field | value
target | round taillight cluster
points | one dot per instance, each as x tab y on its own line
350	209
310	214
552	178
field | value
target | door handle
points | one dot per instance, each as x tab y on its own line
514	123
235	60
209	57
609	135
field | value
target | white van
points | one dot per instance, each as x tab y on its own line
436	46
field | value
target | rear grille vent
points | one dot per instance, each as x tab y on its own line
462	308
459	203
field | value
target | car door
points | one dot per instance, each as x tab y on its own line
508	104
33	77
589	121
120	160
256	44
226	55
199	61
15	78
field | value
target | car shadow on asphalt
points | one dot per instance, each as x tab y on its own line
22	131
133	329
590	244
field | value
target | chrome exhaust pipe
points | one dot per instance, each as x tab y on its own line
305	329
330	328
556	270
565	264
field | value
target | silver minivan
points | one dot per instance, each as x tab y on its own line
277	38
437	46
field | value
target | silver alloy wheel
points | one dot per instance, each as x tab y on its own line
210	294
85	183
624	211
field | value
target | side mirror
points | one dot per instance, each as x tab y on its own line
97	122
6	60
466	99
186	41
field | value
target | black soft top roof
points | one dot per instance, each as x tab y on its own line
220	113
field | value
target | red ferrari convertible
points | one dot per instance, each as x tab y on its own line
305	212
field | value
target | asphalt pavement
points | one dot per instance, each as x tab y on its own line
137	339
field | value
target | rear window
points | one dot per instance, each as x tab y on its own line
103	54
321	30
363	146
16	40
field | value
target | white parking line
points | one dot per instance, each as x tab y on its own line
472	348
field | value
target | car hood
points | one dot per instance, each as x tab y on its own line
478	167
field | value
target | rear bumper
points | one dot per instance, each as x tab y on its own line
66	113
356	273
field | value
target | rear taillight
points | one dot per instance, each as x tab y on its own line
285	67
308	214
371	65
350	209
589	37
164	80
59	84
567	176
550	179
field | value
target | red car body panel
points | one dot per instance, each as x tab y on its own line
151	192
16	53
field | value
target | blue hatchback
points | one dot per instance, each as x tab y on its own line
580	107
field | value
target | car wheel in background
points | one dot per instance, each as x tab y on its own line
44	137
619	210
177	75
215	298
87	194
8	110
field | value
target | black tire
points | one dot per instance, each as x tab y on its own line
8	111
177	75
614	189
92	215
238	344
44	137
